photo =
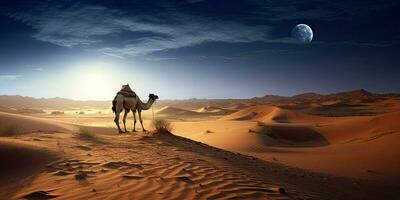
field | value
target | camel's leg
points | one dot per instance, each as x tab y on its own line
118	110
140	119
116	120
126	111
134	120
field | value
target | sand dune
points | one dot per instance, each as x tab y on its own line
168	110
14	123
264	113
21	110
292	135
148	167
237	106
251	113
214	110
209	109
356	129
362	147
204	111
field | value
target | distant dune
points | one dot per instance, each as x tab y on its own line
350	103
349	95
251	113
17	101
237	106
214	110
265	113
168	110
21	110
209	109
20	124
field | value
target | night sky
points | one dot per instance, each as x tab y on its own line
197	48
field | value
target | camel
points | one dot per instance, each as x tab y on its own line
127	100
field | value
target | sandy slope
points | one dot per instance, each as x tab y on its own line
362	147
19	160
23	124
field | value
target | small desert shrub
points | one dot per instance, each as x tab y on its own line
85	134
162	125
57	112
208	131
81	113
8	130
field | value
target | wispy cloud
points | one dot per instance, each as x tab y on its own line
37	69
9	77
110	53
156	59
83	25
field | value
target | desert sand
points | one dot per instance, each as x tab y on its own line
295	148
358	147
69	164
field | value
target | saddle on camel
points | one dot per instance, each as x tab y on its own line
126	91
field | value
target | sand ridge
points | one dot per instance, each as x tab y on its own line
143	167
266	113
168	110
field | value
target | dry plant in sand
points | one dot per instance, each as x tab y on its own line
8	130
162	125
85	134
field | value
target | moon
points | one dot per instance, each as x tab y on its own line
302	33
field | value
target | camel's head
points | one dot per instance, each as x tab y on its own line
153	96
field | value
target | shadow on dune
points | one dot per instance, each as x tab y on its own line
19	164
289	136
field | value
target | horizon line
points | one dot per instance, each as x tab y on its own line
196	98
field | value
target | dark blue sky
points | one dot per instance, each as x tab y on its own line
197	48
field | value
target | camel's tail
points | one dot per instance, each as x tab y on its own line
114	102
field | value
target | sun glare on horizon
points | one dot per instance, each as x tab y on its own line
94	81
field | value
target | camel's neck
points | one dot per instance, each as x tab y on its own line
147	105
